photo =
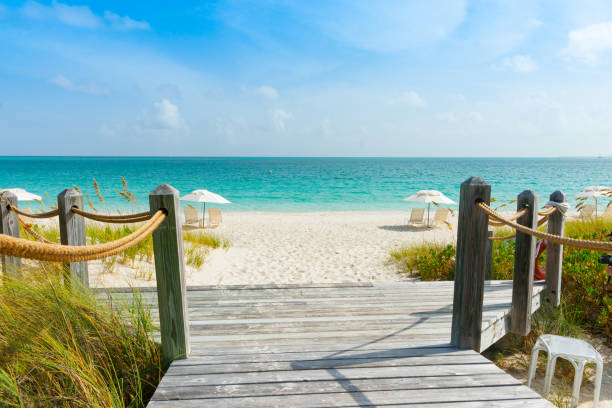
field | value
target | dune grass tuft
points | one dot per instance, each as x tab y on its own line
62	348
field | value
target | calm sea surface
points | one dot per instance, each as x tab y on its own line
301	184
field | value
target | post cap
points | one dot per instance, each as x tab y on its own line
164	189
557	196
474	181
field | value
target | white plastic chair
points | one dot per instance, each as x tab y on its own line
576	351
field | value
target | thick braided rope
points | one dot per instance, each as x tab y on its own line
516	216
546	213
47	214
24	248
28	229
114	219
541	222
555	239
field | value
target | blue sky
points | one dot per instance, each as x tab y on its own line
309	78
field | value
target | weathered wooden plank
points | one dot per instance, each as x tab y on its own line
9	226
170	274
524	260
404	352
554	253
354	396
319	375
332	386
470	265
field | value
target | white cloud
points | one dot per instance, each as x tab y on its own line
280	118
410	98
267	92
124	23
90	88
80	16
167	115
520	63
588	44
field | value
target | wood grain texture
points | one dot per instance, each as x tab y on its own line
170	274
554	253
471	264
72	232
381	345
9	226
524	261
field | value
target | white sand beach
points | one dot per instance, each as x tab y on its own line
285	247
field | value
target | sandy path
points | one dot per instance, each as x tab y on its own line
316	247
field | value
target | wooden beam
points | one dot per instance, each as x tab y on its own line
170	274
72	232
524	261
471	264
554	253
9	226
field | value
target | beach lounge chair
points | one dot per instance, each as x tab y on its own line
191	216
214	217
587	211
607	215
441	215
417	216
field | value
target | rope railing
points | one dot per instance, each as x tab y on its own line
30	231
555	239
47	214
24	248
541	222
547	212
114	219
515	216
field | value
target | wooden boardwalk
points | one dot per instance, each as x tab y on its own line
338	346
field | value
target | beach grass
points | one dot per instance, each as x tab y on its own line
63	348
196	249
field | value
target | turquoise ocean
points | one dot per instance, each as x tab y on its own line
300	184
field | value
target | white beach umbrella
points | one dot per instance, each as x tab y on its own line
595	192
205	196
429	196
22	195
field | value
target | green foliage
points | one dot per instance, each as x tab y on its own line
584	279
429	261
62	348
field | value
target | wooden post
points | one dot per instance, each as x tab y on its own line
554	253
9	226
72	232
471	263
489	271
170	273
524	261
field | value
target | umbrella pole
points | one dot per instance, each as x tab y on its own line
428	206
203	213
595	206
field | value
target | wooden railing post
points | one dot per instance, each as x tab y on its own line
72	232
9	226
554	253
170	274
524	261
471	263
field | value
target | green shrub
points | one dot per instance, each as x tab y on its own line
62	348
